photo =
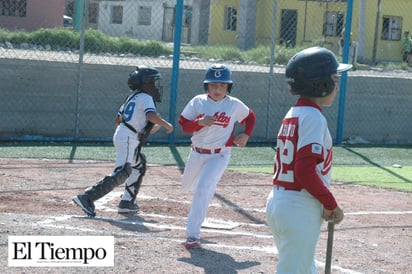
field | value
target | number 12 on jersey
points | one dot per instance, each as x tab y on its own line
285	153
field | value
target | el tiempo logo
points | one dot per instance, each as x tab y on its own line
61	251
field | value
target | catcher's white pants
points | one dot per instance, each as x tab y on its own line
201	175
295	218
126	144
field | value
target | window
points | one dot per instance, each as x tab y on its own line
117	15
333	24
144	17
93	11
325	0
391	28
230	18
187	16
16	8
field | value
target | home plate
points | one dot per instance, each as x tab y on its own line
219	224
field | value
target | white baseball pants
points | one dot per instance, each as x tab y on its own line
201	175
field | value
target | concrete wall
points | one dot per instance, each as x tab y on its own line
39	99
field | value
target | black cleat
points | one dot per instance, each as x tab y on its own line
128	207
85	204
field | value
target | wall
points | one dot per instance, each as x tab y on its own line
42	102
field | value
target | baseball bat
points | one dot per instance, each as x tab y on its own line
328	264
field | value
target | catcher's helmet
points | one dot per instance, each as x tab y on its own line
218	74
309	72
147	80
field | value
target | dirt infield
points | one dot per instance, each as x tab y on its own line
35	199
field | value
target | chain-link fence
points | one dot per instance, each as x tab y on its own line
64	64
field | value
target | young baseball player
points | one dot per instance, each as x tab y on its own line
300	197
211	117
135	121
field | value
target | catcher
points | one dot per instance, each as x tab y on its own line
135	120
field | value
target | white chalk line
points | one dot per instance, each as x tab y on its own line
114	195
379	213
52	221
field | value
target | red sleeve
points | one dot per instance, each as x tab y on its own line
249	123
306	176
189	126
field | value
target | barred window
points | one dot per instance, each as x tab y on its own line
187	15
16	8
325	0
333	23
230	18
391	28
144	17
93	12
117	15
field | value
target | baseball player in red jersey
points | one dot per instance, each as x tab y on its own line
300	197
135	121
211	117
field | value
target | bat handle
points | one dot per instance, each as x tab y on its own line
328	263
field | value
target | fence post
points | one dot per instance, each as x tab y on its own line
375	38
175	68
342	92
82	15
78	14
272	62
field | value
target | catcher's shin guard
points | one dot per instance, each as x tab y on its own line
135	179
108	183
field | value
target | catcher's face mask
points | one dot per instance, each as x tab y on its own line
153	87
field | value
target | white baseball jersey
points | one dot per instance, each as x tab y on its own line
134	112
125	138
227	112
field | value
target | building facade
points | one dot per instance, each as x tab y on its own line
377	26
30	15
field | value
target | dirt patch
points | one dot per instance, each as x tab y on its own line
35	199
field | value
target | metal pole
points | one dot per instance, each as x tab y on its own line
375	38
82	9
175	68
78	14
272	61
342	94
304	24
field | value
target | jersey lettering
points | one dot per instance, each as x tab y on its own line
128	111
286	149
221	119
287	130
284	159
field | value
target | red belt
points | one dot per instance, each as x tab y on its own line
286	188
206	151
